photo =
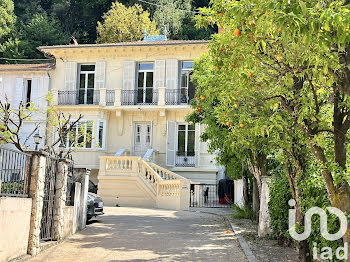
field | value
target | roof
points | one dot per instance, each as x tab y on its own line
127	44
26	67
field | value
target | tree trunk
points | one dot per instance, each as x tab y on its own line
257	166
293	174
256	200
245	186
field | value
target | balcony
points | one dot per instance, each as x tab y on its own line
79	97
185	159
118	97
178	96
148	96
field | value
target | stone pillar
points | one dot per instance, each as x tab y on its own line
238	194
83	197
117	97
77	187
103	92
161	96
36	193
82	176
60	201
185	185
264	216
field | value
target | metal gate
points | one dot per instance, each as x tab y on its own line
212	195
47	220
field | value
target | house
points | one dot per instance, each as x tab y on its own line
29	83
134	97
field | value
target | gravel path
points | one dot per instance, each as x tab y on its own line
134	234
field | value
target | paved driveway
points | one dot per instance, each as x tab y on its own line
134	234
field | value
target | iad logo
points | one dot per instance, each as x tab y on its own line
326	251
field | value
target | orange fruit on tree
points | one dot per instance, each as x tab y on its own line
237	32
228	123
241	125
221	49
279	58
250	74
232	43
220	14
236	105
202	97
258	85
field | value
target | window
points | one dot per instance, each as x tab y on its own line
101	136
81	135
145	83
186	140
86	84
28	92
187	89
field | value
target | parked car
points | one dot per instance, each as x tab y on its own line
94	206
92	187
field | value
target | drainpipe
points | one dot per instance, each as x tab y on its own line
48	69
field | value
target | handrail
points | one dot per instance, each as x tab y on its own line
165	173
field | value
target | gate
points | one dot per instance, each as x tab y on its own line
47	220
212	195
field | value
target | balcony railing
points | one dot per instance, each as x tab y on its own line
147	96
177	96
110	97
79	97
185	159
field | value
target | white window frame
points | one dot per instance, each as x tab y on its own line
98	146
85	121
86	73
187	71
25	91
144	87
186	136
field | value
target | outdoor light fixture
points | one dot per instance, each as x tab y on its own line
37	139
61	148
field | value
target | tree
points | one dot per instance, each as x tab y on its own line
40	31
297	52
171	14
7	17
124	24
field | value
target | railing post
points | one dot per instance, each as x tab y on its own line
103	92
55	96
161	96
118	97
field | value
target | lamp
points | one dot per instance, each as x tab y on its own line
61	148
37	139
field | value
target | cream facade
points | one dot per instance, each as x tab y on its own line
134	99
29	83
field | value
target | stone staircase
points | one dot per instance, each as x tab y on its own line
134	181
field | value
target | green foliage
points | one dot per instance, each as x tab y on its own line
40	31
245	212
7	17
122	24
280	194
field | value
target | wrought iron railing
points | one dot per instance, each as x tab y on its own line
110	97
147	96
14	173
185	159
70	191
178	96
79	97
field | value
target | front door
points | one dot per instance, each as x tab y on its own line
142	138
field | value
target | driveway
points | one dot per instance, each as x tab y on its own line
135	234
